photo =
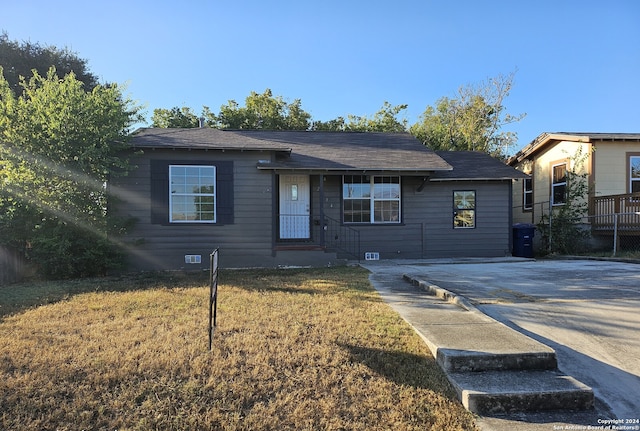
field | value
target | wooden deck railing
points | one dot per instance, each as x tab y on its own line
622	209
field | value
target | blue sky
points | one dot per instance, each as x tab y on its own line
577	62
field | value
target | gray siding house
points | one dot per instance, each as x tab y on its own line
270	198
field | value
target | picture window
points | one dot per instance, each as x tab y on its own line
192	194
371	199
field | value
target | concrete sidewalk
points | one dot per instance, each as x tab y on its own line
509	379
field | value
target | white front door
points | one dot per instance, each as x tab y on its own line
294	207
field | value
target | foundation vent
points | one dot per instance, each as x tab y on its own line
372	255
192	258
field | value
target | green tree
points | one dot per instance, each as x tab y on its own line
472	121
335	125
263	111
385	120
562	231
59	146
19	59
174	118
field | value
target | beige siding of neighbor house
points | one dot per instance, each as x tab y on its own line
611	167
541	169
520	215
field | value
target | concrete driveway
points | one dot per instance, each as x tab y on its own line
587	310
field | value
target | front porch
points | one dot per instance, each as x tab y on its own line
302	222
325	234
615	213
311	215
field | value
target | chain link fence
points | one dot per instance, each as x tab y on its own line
612	234
617	233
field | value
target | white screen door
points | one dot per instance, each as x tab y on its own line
294	207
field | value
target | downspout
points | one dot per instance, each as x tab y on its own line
275	212
510	225
322	221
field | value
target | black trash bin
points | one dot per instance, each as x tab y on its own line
523	239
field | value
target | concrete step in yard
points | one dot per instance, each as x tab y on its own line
463	360
494	368
495	392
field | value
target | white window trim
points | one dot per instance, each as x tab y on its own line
171	195
554	185
631	178
526	192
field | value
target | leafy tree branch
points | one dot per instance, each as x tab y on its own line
59	147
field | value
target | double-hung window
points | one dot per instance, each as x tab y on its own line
527	194
634	174
371	199
192	194
464	209
559	184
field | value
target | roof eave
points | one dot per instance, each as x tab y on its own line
209	148
541	141
267	167
508	178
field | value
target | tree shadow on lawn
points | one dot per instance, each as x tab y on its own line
18	297
402	368
309	281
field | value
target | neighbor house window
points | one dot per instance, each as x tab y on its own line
464	209
634	174
559	184
192	194
527	194
371	199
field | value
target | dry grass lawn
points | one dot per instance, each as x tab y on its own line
311	349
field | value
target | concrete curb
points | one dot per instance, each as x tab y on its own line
441	293
603	259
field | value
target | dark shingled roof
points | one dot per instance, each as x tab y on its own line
474	165
204	138
350	151
335	151
301	150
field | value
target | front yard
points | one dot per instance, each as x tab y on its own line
312	349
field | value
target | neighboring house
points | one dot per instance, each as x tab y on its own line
269	198
612	165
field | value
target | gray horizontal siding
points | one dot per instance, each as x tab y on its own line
245	242
427	229
402	241
491	235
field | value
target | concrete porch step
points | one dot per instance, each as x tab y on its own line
307	257
498	392
299	247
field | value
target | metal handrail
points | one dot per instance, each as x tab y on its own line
341	237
